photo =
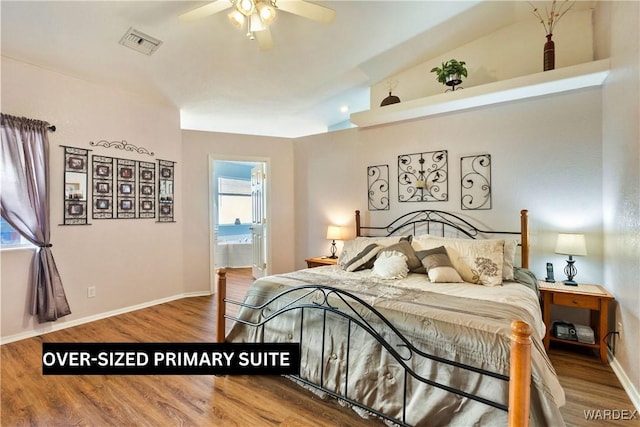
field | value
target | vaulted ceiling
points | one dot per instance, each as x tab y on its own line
221	81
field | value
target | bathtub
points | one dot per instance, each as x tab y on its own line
234	251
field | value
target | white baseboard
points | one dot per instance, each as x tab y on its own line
628	386
52	326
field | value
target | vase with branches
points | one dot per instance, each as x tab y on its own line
549	20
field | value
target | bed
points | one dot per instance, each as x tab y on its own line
414	344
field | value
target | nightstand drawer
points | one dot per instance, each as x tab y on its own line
580	301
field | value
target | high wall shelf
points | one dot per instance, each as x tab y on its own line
544	83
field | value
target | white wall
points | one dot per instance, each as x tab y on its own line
617	30
129	261
197	150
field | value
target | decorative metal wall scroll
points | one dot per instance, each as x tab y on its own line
121	145
423	177
378	185
102	187
147	190
76	161
125	184
165	190
475	179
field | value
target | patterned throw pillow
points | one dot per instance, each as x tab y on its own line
363	259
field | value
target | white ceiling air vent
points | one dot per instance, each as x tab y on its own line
140	41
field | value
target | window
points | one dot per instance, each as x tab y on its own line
234	200
9	237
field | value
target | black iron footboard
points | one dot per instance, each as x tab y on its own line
357	312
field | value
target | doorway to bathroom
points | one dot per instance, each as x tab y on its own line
239	237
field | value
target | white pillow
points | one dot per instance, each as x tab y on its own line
477	261
391	265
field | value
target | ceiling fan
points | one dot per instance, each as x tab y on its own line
256	15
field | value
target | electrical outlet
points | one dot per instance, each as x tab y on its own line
619	330
91	291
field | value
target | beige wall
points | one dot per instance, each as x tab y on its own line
546	157
512	51
130	261
198	148
617	30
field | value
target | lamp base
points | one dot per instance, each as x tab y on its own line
570	283
332	257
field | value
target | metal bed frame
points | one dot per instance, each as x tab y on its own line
336	302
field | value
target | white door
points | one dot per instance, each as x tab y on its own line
258	221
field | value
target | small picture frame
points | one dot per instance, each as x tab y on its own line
103	204
126	173
126	188
75	163
165	209
75	209
103	187
166	173
146	205
146	190
126	204
146	174
103	170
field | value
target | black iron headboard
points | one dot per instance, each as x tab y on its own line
425	220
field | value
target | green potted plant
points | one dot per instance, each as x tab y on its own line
451	72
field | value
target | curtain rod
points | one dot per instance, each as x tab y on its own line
52	128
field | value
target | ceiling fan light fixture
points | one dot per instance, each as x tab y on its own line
266	11
246	7
256	24
237	19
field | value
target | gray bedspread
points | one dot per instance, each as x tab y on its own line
462	322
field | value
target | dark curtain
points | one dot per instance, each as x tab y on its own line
24	203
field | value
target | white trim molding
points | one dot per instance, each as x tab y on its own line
76	322
627	385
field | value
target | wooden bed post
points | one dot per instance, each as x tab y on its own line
221	294
357	223
520	374
524	237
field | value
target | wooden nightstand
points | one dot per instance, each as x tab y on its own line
592	297
320	261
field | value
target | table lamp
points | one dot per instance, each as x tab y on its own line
334	233
571	244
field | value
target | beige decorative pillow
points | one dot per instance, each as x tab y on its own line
438	266
510	248
477	261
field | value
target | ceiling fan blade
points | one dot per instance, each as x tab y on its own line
264	39
206	10
307	10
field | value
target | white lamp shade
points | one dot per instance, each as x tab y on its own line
335	232
267	12
236	19
571	244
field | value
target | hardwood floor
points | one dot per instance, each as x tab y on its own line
29	398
